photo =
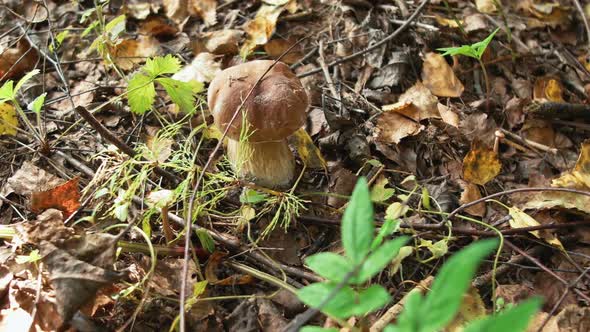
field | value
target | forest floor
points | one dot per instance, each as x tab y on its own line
103	158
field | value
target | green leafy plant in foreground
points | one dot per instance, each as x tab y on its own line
346	294
141	91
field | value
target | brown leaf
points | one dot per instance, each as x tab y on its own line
439	77
11	63
548	88
276	47
391	127
130	52
205	9
471	193
219	42
262	26
158	27
65	197
481	165
448	116
423	102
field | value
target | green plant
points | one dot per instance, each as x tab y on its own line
141	91
346	294
475	51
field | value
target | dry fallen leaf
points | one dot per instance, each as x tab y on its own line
130	52
8	120
439	77
391	127
278	46
481	165
548	88
309	153
448	116
485	6
423	102
521	219
219	42
65	197
263	25
205	9
11	64
471	193
579	177
202	69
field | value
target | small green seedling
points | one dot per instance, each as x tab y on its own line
346	293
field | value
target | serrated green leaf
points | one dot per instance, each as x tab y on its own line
329	265
445	296
24	80
162	65
357	223
141	93
379	259
181	93
36	104
515	319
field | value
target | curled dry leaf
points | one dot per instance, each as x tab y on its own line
481	164
439	77
219	42
11	64
423	104
263	25
471	193
8	120
521	219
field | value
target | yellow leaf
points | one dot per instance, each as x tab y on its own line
481	165
579	177
309	153
8	120
548	88
261	27
521	219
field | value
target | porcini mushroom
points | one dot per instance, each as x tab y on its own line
275	110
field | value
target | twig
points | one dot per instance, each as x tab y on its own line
515	259
375	46
322	62
584	19
513	191
189	218
110	137
533	144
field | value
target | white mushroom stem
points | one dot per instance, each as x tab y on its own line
268	164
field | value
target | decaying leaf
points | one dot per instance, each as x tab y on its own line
276	47
521	219
392	127
579	176
439	77
8	120
417	103
548	88
130	52
471	193
481	164
261	28
65	197
11	64
309	153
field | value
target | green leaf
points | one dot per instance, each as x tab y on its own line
36	104
115	26
162	65
309	328
206	240
251	196
475	50
481	46
339	305
515	319
59	39
379	259
329	265
181	93
443	301
141	93
7	91
409	319
89	29
389	227
357	223
425	198
369	300
24	80
396	210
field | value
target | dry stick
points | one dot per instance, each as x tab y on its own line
322	62
189	218
533	144
504	267
513	191
584	19
110	137
376	45
545	268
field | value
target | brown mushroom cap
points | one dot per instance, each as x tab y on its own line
276	108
